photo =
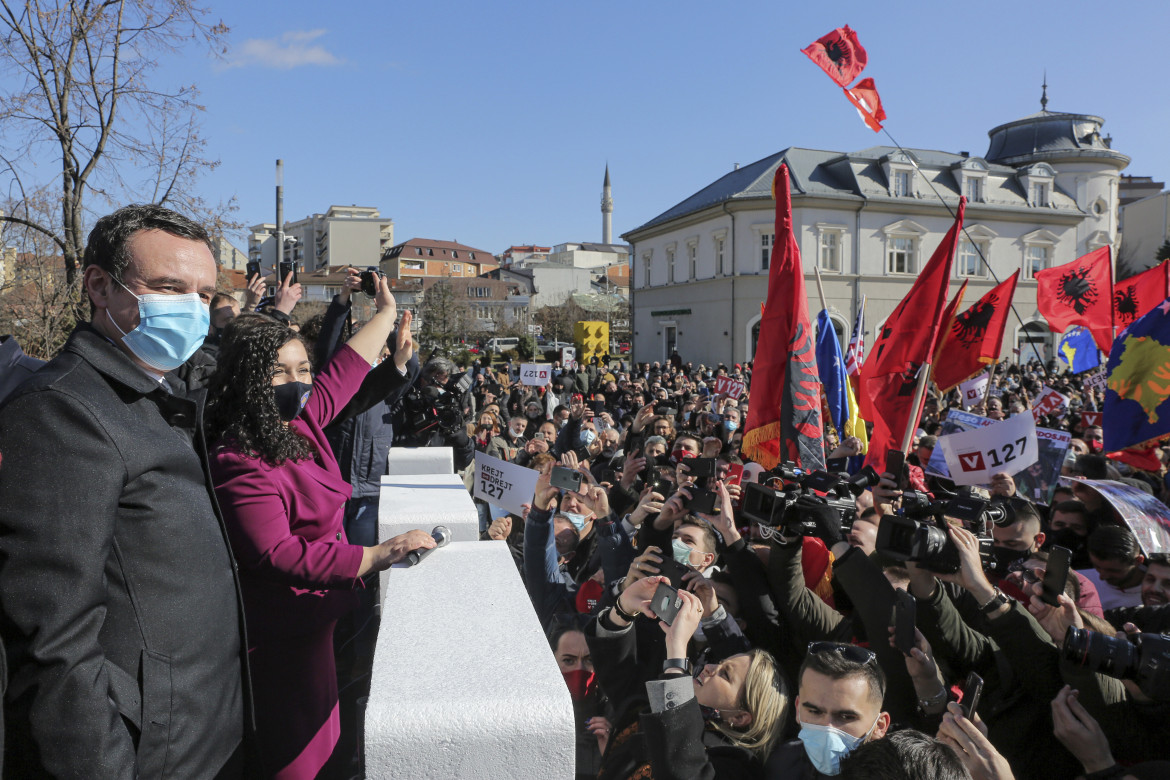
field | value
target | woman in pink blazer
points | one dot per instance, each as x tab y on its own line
283	499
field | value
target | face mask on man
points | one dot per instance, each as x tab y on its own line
517	432
577	520
586	437
170	329
730	425
826	746
681	552
1005	557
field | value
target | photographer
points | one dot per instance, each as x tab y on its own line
999	640
434	413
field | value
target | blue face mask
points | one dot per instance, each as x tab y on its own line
577	520
170	328
826	746
586	437
730	425
681	553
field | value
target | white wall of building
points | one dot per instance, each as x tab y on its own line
1147	226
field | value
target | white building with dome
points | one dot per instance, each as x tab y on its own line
1045	193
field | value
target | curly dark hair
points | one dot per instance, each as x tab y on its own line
241	406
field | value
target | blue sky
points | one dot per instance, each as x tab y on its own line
491	123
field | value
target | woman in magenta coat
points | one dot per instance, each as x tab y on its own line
283	499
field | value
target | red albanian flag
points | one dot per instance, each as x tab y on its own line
1137	295
839	55
784	411
865	98
904	346
975	337
1079	293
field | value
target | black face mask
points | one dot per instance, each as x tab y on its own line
1065	537
1004	557
291	398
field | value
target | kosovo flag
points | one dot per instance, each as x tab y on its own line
1137	394
1078	350
831	368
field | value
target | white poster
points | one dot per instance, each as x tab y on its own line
535	374
973	391
1048	402
503	484
1008	446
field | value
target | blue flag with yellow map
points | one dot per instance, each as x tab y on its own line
1078	349
1137	391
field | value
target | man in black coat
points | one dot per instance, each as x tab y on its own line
119	605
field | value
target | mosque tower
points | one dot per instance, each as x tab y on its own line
606	211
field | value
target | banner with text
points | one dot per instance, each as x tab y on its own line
1007	446
974	390
535	374
725	385
1048	402
1095	382
503	484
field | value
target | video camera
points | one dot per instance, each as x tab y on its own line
919	532
440	407
1145	658
776	508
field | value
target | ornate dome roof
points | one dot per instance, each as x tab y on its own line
1051	136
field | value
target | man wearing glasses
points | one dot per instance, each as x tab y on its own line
838	708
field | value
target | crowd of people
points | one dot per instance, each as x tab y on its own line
188	503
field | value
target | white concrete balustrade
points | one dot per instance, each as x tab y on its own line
464	684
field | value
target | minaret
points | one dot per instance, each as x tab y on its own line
606	211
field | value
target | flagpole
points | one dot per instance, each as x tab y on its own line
912	420
821	288
990	379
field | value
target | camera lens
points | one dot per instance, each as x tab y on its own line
1101	653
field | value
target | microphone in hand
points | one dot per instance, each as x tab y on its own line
440	534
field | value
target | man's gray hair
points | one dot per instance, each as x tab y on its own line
438	365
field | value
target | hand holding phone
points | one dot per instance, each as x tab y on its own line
565	478
905	613
972	690
1055	575
666	603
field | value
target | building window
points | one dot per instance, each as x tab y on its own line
670	266
692	261
454	253
1035	259
418	250
1039	194
413	265
646	270
457	268
902	182
830	254
974	189
766	250
900	259
430	253
719	256
969	262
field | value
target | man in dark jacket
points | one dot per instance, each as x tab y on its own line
119	606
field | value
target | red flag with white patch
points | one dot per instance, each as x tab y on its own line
865	98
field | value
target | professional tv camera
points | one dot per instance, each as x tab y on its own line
919	533
776	508
1144	658
436	409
